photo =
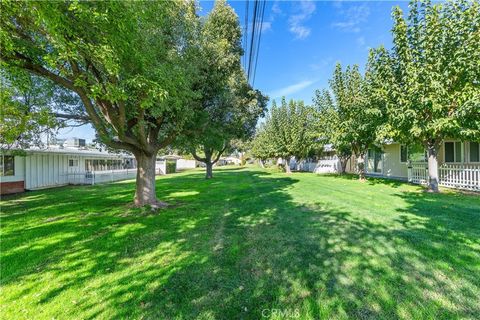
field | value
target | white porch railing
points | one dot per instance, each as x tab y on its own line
418	173
95	177
460	176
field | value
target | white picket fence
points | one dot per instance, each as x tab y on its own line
460	176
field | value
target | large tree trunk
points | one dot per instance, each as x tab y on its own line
287	165
432	149
145	191
343	164
209	171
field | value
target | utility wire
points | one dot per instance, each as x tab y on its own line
245	37
258	42
254	24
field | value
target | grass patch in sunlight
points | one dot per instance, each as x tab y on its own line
246	244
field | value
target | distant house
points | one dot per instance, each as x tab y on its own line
180	163
71	163
224	161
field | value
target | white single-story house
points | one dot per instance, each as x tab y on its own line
57	166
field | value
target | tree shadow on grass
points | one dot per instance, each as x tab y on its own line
240	246
371	180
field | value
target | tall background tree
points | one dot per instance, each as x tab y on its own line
431	76
328	127
351	118
261	146
226	107
287	132
124	60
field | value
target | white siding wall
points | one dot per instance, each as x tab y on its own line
183	164
45	170
392	167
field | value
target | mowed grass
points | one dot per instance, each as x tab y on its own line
249	244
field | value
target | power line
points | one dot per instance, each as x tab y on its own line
245	33
254	25
251	52
258	43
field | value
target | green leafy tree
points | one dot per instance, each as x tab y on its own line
262	147
288	132
328	120
226	106
124	60
353	116
431	76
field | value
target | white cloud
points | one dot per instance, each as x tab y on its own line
353	17
294	88
326	62
361	41
266	25
276	8
303	11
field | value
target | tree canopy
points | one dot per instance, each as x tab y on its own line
225	106
288	132
431	76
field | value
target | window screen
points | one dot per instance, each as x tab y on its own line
458	152
7	165
403	153
449	152
474	152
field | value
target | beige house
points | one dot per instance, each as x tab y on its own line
458	161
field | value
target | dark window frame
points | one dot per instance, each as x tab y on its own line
3	171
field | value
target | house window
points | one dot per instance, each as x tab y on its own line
453	151
403	153
474	152
414	153
7	165
374	161
72	163
103	165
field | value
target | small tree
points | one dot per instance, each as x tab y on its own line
289	131
25	113
262	147
328	127
353	116
431	77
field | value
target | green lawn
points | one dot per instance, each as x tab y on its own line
245	243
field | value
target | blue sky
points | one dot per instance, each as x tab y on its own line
303	40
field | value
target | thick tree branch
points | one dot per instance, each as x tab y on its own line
72	117
194	154
220	153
